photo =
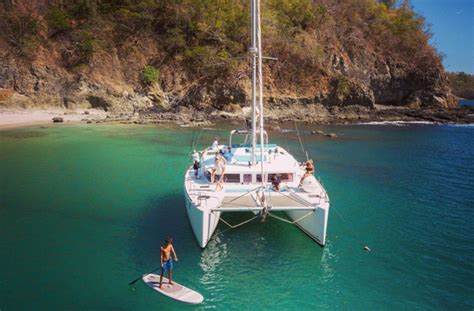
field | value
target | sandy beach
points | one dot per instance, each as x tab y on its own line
11	118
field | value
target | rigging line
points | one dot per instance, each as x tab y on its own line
192	146
229	228
192	139
301	141
198	138
239	224
270	198
290	222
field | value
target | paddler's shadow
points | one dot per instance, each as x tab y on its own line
161	217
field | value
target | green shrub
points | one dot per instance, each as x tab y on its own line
150	75
342	86
86	46
198	55
58	21
130	22
81	10
295	15
22	32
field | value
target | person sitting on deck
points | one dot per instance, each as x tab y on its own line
276	183
309	171
227	154
166	260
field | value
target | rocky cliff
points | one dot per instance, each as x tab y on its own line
188	58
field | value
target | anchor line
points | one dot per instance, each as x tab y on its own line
349	227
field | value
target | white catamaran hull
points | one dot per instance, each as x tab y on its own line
203	222
314	225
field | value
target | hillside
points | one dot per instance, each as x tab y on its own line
186	56
462	84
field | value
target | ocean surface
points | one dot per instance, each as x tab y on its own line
84	210
466	102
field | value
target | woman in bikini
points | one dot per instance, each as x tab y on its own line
309	171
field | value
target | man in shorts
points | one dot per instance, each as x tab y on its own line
166	260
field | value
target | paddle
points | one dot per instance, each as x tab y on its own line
139	278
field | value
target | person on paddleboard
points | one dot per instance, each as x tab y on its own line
166	260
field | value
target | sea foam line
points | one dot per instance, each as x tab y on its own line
397	123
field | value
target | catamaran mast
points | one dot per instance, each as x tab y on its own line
260	92
253	55
256	55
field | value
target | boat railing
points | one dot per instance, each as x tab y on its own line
247	132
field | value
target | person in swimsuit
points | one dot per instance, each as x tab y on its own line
309	171
276	182
166	260
213	171
219	172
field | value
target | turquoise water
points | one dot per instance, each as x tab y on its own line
83	211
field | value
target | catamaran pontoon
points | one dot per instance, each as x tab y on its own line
248	171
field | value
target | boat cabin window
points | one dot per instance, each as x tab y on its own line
247	179
232	178
285	177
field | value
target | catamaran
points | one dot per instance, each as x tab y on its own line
250	168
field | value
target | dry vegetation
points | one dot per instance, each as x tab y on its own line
462	84
323	46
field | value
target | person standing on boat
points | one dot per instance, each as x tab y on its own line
166	260
219	173
215	145
309	171
196	163
196	156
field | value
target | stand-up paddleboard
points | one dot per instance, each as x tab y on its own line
175	291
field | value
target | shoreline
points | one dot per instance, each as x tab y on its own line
20	118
